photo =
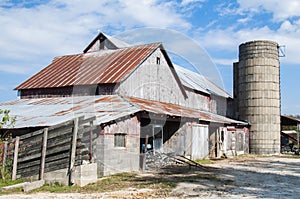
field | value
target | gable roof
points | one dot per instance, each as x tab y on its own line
105	66
113	42
199	82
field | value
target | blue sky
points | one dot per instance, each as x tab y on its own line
34	32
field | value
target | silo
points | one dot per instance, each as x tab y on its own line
257	93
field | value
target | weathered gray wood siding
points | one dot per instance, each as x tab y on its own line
111	159
153	81
218	105
197	101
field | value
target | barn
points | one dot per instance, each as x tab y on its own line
103	107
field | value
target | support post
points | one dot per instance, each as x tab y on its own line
44	150
298	131
15	162
91	141
4	160
73	152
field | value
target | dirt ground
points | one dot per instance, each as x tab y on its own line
249	177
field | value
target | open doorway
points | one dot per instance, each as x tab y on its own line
152	138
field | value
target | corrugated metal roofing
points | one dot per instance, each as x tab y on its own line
106	66
51	111
198	82
176	110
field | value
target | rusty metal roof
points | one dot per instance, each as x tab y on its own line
105	66
50	111
176	110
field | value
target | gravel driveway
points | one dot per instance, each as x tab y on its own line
250	177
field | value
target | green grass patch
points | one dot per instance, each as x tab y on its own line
10	182
204	161
112	183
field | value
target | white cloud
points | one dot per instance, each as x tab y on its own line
186	2
64	27
228	40
281	10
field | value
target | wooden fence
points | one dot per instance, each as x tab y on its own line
65	145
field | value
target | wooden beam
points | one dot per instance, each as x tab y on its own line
91	141
4	160
15	162
73	152
298	137
44	150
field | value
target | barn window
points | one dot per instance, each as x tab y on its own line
158	60
120	140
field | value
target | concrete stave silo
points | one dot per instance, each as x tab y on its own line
257	94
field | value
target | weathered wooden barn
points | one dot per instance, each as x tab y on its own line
135	96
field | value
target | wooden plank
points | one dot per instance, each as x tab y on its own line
56	166
49	152
64	156
59	148
44	150
52	166
61	132
73	152
51	143
15	162
32	134
63	124
51	134
88	120
91	141
4	160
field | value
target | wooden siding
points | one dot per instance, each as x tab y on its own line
218	105
153	81
196	100
29	155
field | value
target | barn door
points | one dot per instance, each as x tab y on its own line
199	141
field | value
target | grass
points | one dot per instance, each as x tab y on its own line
204	161
112	183
9	183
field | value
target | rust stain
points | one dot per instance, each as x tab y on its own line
108	99
90	68
64	112
169	109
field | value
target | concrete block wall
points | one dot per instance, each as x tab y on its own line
111	159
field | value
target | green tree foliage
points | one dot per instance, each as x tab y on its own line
6	121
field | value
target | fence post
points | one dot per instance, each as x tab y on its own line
15	163
91	141
43	156
73	152
4	159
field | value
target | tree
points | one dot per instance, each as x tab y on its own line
5	120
